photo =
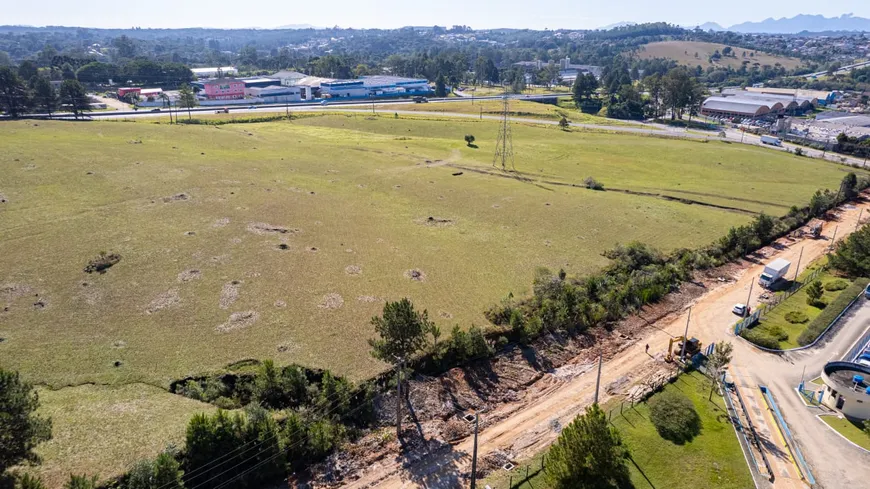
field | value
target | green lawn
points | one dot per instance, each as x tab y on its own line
712	459
852	430
798	302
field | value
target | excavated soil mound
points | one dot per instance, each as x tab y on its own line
238	320
165	300
331	301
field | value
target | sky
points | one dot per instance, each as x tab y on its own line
553	14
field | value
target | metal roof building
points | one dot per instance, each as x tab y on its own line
734	107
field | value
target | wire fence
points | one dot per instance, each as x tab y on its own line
521	477
776	300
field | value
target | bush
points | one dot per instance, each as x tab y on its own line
103	262
821	322
674	417
593	184
469	139
835	285
563	123
777	332
798	152
760	338
796	317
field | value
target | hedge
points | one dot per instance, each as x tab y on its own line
823	320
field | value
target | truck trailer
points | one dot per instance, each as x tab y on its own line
773	272
771	140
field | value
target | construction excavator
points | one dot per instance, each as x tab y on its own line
693	346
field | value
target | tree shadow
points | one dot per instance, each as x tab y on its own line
642	473
772	448
431	463
472	146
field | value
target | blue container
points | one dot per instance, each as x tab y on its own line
858	379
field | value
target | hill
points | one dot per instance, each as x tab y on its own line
694	53
804	23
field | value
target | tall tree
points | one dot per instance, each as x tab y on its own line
440	86
717	362
187	99
589	454
402	331
27	70
852	255
44	96
21	430
13	93
164	472
74	96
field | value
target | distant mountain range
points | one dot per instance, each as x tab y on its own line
796	24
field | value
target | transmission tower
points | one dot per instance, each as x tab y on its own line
504	146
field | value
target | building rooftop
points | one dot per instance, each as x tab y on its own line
286	74
225	69
735	105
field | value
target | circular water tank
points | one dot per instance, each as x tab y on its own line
867	391
857	379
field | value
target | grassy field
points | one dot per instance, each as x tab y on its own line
798	302
482	91
683	52
281	239
102	430
853	431
712	459
518	108
206	278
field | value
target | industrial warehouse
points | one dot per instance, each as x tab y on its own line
756	104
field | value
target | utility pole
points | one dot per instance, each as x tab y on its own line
798	269
685	336
598	380
834	237
749	298
474	455
858	222
399	400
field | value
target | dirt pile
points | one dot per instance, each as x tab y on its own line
435	221
222	222
103	262
167	299
262	228
238	320
353	270
188	275
416	275
331	301
176	198
229	294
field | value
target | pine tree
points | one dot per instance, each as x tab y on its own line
20	428
589	454
13	93
44	96
73	95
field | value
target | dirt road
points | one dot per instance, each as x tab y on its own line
527	429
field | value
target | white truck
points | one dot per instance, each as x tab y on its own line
771	140
773	271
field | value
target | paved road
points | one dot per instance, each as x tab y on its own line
835	462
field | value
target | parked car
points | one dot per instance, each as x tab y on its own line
421	100
867	292
740	309
324	102
252	106
155	110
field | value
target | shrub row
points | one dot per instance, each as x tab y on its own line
823	320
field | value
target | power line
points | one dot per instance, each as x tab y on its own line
214	463
261	463
504	146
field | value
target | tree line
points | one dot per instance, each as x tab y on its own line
19	96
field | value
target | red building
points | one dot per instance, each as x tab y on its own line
224	89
